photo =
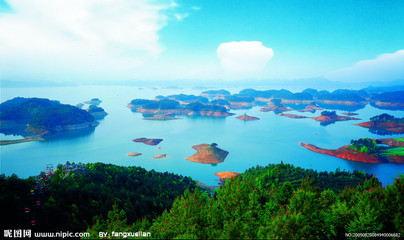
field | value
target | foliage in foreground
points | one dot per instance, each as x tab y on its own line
268	202
76	200
277	201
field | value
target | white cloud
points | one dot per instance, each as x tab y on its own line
196	8
181	16
386	67
244	57
92	37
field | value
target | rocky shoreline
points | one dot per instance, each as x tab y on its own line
60	128
344	153
387	126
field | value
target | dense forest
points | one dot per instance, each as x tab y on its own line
387	118
75	199
43	113
276	201
366	145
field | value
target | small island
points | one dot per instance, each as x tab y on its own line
96	112
134	154
366	150
276	106
148	141
94	101
245	117
311	108
216	93
350	113
208	154
328	117
226	175
291	115
384	124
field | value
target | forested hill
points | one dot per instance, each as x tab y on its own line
74	199
268	203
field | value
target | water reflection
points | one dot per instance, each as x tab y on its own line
381	131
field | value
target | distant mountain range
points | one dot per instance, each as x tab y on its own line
318	83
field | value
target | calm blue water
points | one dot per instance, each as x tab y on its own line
270	140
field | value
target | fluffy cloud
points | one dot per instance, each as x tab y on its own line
386	67
92	37
244	57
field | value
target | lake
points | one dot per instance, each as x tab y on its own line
270	140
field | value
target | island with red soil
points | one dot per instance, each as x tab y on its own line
276	106
134	154
245	117
311	108
328	117
366	150
349	113
291	115
208	154
148	141
226	175
384	124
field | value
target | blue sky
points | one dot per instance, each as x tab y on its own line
344	40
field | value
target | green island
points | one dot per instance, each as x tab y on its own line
43	116
97	112
276	201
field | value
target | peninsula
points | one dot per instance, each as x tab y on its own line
366	150
291	115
